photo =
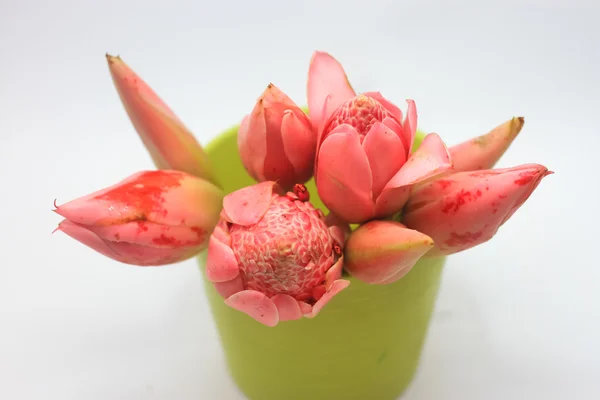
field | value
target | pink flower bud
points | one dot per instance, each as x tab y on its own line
169	142
273	257
151	218
381	252
276	141
466	209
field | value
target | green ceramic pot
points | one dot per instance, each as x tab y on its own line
364	345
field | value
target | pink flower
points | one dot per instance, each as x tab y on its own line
170	143
484	151
151	218
365	167
381	252
276	141
273	257
466	209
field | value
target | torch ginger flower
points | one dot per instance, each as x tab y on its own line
365	167
276	141
273	257
151	218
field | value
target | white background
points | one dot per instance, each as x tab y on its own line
517	318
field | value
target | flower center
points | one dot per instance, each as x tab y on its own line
287	252
361	112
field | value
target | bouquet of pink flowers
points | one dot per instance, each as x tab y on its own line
391	197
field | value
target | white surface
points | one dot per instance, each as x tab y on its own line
517	318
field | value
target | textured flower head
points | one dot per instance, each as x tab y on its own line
273	256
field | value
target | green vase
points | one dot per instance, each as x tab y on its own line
364	345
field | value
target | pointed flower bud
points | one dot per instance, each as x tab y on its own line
151	218
381	252
365	167
484	151
169	142
465	209
276	141
273	257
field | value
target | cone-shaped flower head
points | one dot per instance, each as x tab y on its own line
381	252
273	256
364	165
276	141
169	142
484	151
151	218
465	209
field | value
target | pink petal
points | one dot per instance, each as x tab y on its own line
88	238
337	287
334	273
228	288
389	106
169	142
410	123
399	130
256	305
484	151
299	143
221	264
326	77
246	206
344	177
386	155
252	143
287	307
338	234
429	160
466	209
379	250
277	167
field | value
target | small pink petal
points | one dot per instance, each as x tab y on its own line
287	307
326	77
228	288
256	305
337	287
386	155
345	187
338	234
410	124
334	273
299	143
247	206
221	264
429	160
